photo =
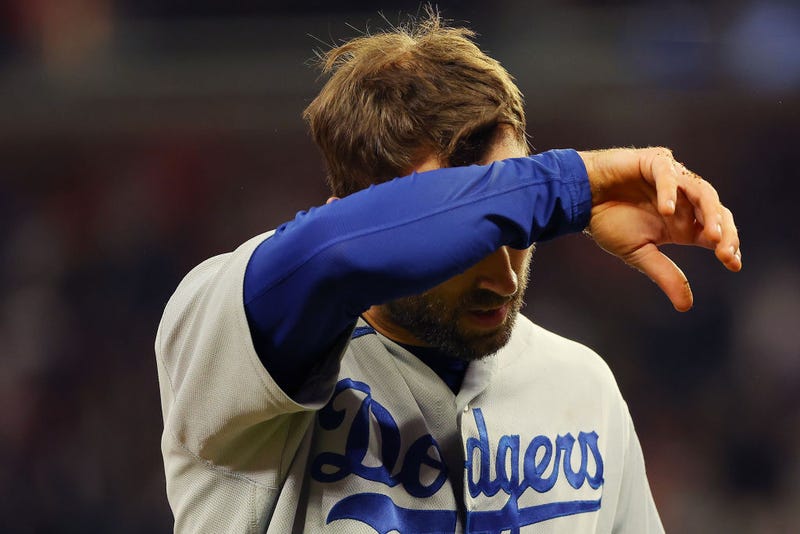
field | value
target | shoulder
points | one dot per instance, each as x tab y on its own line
223	269
212	266
537	349
207	303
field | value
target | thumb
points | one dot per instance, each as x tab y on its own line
665	274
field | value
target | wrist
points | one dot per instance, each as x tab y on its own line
596	183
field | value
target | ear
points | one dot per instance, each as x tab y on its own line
331	199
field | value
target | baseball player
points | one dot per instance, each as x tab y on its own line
364	367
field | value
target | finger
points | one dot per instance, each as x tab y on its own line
700	238
666	179
668	276
727	250
684	227
705	200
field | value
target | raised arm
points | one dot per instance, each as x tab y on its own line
306	285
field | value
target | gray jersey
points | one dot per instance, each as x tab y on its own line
537	440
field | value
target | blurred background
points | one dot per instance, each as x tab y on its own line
138	137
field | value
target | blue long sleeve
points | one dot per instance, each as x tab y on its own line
306	285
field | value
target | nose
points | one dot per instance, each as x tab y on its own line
497	274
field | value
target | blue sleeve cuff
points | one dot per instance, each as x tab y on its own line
573	172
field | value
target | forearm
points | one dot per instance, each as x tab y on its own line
308	283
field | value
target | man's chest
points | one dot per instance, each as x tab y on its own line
386	458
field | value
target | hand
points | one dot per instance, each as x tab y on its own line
642	198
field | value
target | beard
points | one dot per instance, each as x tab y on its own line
436	322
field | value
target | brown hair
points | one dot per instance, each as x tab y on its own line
399	96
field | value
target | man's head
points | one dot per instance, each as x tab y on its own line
415	99
396	98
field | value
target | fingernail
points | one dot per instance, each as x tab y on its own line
671	204
738	254
719	229
733	250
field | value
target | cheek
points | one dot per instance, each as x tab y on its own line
521	261
451	291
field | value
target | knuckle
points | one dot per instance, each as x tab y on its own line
663	151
